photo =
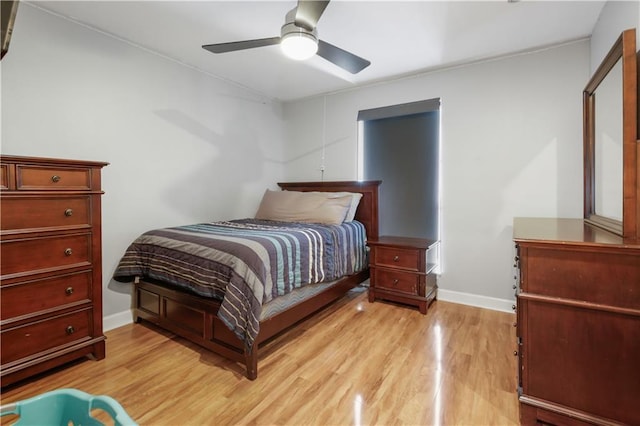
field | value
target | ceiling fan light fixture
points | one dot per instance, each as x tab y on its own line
299	39
299	45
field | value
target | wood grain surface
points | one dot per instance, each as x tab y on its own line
353	363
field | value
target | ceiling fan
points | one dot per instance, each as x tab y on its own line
299	39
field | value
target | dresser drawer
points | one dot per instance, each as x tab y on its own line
34	297
397	258
45	178
33	338
45	212
42	254
597	277
401	282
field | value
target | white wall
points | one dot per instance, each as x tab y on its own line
184	147
511	146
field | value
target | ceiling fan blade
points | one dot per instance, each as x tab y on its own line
241	45
346	60
308	13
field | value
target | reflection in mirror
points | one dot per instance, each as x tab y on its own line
608	145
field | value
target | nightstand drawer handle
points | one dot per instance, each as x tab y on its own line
68	212
70	330
396	258
515	353
68	252
69	291
55	178
395	282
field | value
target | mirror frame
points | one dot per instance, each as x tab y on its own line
624	49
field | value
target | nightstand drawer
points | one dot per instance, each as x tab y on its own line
397	258
34	297
40	336
401	282
45	178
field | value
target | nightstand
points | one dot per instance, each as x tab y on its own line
402	270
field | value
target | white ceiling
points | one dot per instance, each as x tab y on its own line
399	38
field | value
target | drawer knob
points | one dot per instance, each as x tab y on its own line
69	291
68	251
513	307
55	178
395	282
515	353
70	330
68	212
396	258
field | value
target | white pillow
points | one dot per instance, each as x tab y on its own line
355	200
306	207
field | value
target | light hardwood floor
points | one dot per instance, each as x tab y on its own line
355	363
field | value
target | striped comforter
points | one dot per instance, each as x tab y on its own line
245	263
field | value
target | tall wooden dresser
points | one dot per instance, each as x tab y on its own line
50	266
578	328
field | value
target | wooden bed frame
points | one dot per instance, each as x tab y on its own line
195	318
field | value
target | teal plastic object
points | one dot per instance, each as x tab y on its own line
65	407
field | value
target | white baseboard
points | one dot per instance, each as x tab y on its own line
486	302
123	318
117	320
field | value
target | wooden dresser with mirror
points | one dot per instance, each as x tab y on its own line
578	280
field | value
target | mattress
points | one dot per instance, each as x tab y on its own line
246	263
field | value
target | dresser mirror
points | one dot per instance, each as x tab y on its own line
610	141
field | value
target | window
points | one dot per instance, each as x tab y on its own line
400	145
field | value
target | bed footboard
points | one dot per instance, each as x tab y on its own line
195	318
189	316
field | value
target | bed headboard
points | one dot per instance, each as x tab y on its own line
367	212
